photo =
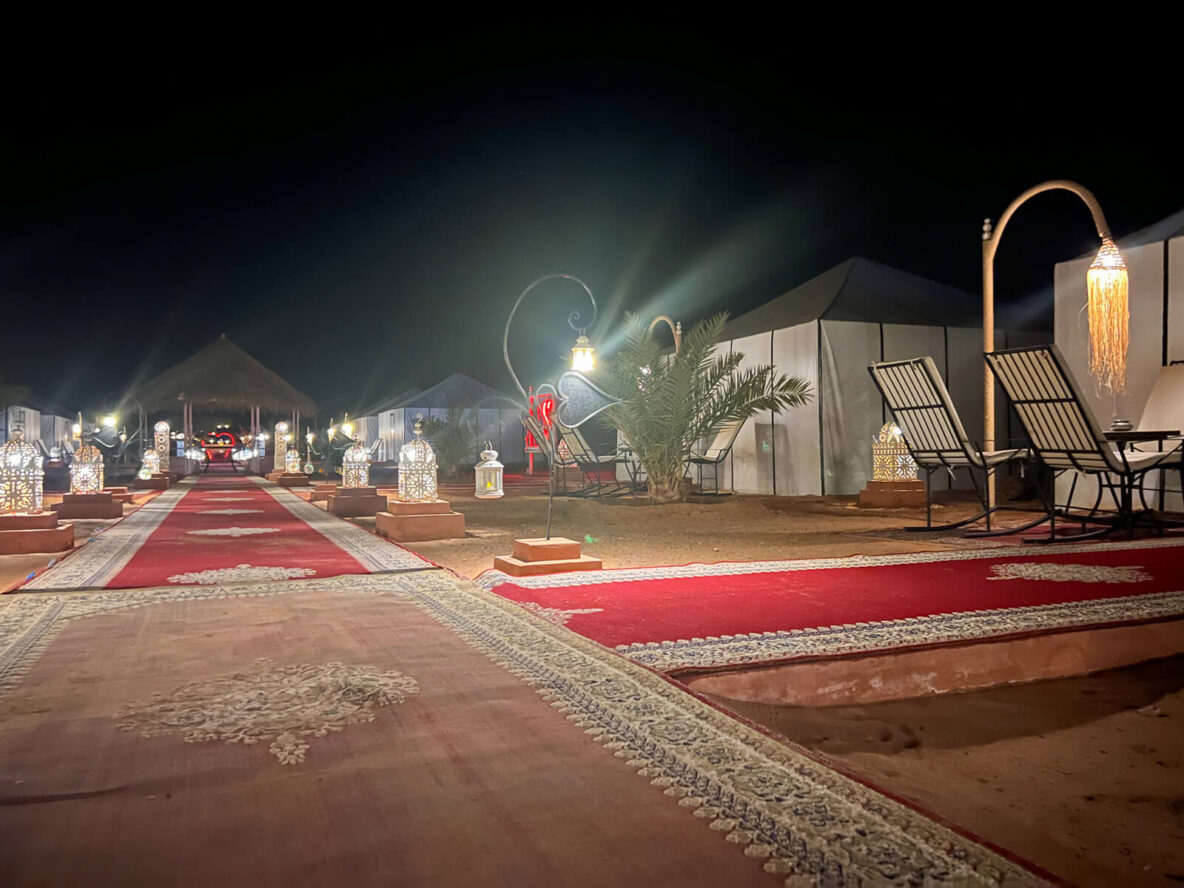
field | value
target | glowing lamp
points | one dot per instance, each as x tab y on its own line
292	462
355	466
489	474
281	446
161	438
151	464
109	421
583	356
20	476
76	430
347	427
1108	285
891	460
86	471
417	468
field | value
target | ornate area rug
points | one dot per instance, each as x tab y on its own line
405	729
721	615
221	530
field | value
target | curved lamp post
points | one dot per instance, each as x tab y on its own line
578	399
675	329
1108	311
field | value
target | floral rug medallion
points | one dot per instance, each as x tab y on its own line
281	704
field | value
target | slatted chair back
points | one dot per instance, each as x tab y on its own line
532	425
581	451
917	396
1064	432
722	443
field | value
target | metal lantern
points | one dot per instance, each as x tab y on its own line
355	466
151	464
280	447
86	471
292	462
161	431
489	474
417	468
583	356
20	476
890	456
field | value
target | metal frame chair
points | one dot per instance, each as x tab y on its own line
590	462
716	452
916	394
1066	436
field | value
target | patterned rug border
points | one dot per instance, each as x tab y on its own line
96	562
376	554
805	820
489	579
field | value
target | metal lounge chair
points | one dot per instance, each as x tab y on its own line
917	396
717	452
1066	436
589	461
1164	410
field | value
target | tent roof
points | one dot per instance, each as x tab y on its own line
862	290
221	375
457	390
42	406
1165	229
386	404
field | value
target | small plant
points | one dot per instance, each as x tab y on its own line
456	440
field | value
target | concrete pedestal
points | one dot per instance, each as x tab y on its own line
533	557
356	502
23	533
321	492
292	479
417	522
158	481
892	494
89	505
120	494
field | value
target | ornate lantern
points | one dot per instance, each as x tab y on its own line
292	462
161	431
86	472
489	474
20	476
583	356
151	464
355	466
417	468
282	437
890	456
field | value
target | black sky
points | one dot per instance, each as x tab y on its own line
361	213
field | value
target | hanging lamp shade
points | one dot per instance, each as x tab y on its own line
1108	286
583	356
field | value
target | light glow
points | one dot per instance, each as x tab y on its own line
355	467
891	460
21	476
583	356
86	471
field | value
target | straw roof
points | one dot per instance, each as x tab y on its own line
221	375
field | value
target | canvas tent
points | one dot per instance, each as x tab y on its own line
827	331
1155	261
43	422
499	421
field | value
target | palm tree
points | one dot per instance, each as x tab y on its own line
671	402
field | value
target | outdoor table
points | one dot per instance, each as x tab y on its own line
1139	436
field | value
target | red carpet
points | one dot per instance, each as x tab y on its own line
233	526
649	606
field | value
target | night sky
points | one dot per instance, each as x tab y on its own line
360	213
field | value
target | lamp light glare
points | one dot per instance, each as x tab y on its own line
109	421
583	356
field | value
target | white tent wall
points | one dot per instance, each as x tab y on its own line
55	430
851	407
797	448
25	418
1151	293
751	469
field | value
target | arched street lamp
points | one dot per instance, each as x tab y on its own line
675	329
1108	287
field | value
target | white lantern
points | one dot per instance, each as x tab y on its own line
292	462
280	447
20	476
489	474
151	464
86	471
161	430
355	466
417	468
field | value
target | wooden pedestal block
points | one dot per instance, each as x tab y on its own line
292	479
534	557
159	481
418	522
892	494
23	533
355	502
321	492
120	494
89	505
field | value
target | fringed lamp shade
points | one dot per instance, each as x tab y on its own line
489	474
86	472
280	445
151	464
355	466
161	432
1108	286
417	469
890	456
292	462
20	476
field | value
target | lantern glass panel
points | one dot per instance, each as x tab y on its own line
488	475
161	440
891	460
292	462
280	445
20	476
86	471
417	469
355	466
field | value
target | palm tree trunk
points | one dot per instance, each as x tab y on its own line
668	487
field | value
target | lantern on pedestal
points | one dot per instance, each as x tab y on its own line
151	464
890	456
282	437
489	474
162	437
355	466
292	462
20	476
417	468
86	472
